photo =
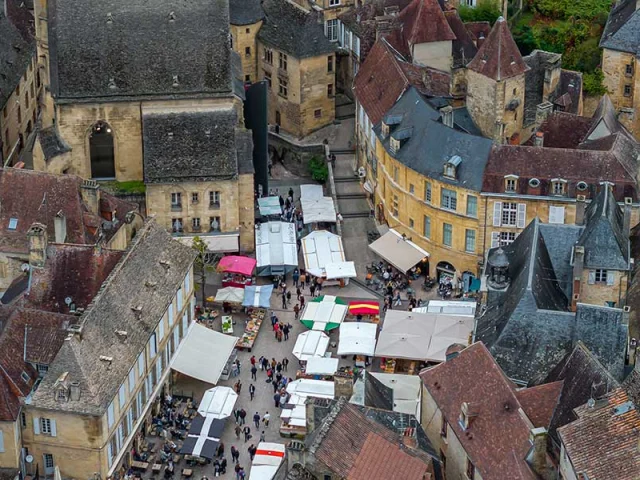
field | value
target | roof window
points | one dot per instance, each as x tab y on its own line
13	223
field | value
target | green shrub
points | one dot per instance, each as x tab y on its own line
484	11
132	187
592	83
318	169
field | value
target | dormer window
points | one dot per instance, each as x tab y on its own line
558	186
510	183
394	145
451	166
385	130
399	137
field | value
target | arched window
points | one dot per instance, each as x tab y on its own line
101	151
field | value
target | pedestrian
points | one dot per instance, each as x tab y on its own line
262	436
266	419
279	335
285	330
252	451
238	431
256	419
333	160
220	449
285	363
298	291
288	298
234	453
237	362
301	279
242	474
284	301
296	314
253	360
398	300
276	328
254	371
296	277
275	385
279	367
243	415
291	192
276	399
265	363
247	432
301	302
236	413
312	289
319	285
307	280
223	466
237	387
252	390
269	374
260	360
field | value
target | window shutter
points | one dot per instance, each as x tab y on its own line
1	442
54	432
521	219
609	278
592	277
36	425
132	380
495	239
109	453
497	214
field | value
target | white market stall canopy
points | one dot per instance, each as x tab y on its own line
340	270
357	338
448	307
311	344
321	366
324	313
315	206
402	254
257	296
422	336
268	458
321	248
311	388
218	402
226	243
203	354
276	245
230	295
269	206
407	391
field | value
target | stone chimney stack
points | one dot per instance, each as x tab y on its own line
447	115
91	196
480	40
60	227
578	268
74	391
538	140
38	241
580	208
543	110
628	202
538	457
343	384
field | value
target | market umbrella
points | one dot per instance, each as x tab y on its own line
218	402
230	295
310	344
257	296
323	313
237	264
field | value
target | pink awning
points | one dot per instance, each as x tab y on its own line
237	264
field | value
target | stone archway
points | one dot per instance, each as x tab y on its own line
101	151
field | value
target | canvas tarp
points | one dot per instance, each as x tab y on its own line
310	344
257	296
276	246
357	338
402	254
229	295
319	249
269	206
324	313
321	366
218	402
203	354
268	458
204	437
340	270
449	307
227	243
315	206
237	264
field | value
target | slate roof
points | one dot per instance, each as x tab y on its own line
48	195
631	384
622	31
385	75
245	12
152	256
16	51
294	31
563	130
444	143
539	402
126	49
423	21
358	446
497	439
571	87
499	58
52	143
603	442
560	240
195	145
244	151
463	47
583	377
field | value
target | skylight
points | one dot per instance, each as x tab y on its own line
13	223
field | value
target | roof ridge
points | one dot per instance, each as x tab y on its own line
327	423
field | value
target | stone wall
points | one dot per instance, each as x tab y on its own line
614	67
317	106
246	213
601	293
434	54
10	456
294	156
244	36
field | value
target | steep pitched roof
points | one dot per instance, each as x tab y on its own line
152	257
423	21
16	52
540	402
563	130
497	439
134	48
499	58
603	442
463	48
291	29
52	143
622	31
385	75
478	29
245	12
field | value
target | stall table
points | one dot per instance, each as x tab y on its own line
142	466
227	324
367	310
156	467
256	316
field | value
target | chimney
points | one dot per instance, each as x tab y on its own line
467	414
538	140
447	115
538	456
74	391
60	227
343	384
580	207
626	225
37	236
578	267
91	196
543	110
391	11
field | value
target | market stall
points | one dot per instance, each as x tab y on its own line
316	208
252	327
324	313
367	310
230	297
237	270
358	338
310	344
449	307
276	248
399	251
218	402
322	250
269	206
257	296
294	412
266	461
320	367
203	437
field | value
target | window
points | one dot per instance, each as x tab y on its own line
176	200
153	346
195	224
470	241
141	365
627	93
447	234
426	229
247	51
629	70
330	63
394	145
427	192
582	186
26	99
317	113
509	213
195	197
214	224
101	151
470	470
13	223
443	428
448	199
510	184
330	90
601	276
556	214
283	87
395	206
214	199
332	32
268	56
534	183
506	238
247	30
176	225
132	380
472	206
48	460
247	78
282	61
19	114
333	3
558	188
411	223
267	77
412	189
396	174
45	426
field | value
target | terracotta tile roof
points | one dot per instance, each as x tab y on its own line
540	402
385	75
358	448
497	439
563	130
602	443
499	58
423	22
463	48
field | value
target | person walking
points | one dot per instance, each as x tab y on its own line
256	420
236	414
287	328
252	451
301	302
254	371
253	360
296	277
234	454
243	416
285	363
398	300
288	298
273	363
301	280
238	431
312	289
266	419
265	363
247	433
284	301
276	385
220	450
296	312
279	368
276	399
237	387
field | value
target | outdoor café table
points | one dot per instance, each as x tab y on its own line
156	467
140	466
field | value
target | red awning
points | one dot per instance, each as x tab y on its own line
364	308
237	264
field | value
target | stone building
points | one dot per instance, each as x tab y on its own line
20	85
298	63
72	211
101	387
246	18
620	44
97	126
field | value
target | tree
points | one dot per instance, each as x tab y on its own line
203	263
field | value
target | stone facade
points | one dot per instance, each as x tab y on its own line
244	43
434	54
11	440
622	82
599	293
